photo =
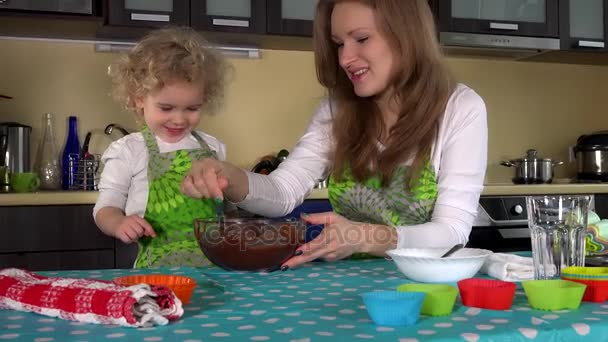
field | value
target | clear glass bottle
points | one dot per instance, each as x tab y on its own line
71	155
47	164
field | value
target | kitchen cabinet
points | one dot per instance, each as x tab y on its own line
583	25
147	13
236	16
291	17
535	18
58	237
59	8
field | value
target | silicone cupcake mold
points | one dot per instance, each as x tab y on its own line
439	299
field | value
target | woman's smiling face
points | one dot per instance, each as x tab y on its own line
363	52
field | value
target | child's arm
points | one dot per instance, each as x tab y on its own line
120	165
112	221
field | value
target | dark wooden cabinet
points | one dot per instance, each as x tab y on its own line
242	16
583	25
49	261
58	238
59	8
147	13
291	17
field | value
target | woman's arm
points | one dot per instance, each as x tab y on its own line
278	193
461	156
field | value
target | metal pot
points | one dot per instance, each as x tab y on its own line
531	169
591	154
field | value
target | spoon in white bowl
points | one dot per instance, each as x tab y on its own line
452	250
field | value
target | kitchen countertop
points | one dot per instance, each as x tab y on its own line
80	197
560	186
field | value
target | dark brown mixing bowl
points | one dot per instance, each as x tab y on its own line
246	244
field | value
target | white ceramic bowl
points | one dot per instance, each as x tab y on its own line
425	265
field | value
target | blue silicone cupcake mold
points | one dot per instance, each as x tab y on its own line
393	307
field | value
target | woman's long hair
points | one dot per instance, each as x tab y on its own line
422	86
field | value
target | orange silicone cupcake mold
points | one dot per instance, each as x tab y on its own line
182	286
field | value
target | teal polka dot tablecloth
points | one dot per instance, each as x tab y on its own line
317	302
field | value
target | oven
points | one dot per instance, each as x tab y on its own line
501	224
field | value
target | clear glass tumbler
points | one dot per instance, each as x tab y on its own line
558	224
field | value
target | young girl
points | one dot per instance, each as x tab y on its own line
168	80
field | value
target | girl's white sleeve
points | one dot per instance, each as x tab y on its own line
278	193
459	157
115	178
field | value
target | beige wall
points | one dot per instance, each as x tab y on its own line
545	106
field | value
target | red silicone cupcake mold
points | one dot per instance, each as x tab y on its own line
597	290
487	293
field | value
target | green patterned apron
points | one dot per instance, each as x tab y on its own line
369	202
171	213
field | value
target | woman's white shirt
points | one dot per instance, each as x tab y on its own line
124	179
459	159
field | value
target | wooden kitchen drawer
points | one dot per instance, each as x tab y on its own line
50	228
49	261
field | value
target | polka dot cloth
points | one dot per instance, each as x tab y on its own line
318	302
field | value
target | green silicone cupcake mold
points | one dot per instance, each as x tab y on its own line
554	295
439	299
589	273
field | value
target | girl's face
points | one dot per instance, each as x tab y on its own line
172	111
363	53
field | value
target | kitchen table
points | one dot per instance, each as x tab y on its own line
318	302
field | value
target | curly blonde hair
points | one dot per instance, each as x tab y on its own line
168	54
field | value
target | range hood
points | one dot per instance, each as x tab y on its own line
496	45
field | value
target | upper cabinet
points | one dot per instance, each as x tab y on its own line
291	17
238	16
499	23
583	24
147	13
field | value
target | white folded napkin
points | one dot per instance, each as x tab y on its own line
508	267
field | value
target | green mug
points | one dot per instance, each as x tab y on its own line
25	182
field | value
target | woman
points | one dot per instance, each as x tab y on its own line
404	144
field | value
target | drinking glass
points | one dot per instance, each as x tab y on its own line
558	225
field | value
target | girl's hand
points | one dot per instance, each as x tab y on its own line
341	238
131	228
205	179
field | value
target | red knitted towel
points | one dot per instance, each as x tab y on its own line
86	300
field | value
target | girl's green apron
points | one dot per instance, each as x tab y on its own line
171	213
370	203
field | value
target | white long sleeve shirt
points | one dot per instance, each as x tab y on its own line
458	157
124	179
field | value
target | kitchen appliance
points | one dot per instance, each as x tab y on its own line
531	169
499	24
55	6
591	154
501	225
15	148
4	174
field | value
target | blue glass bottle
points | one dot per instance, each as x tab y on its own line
71	152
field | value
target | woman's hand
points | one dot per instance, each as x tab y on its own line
211	178
132	228
341	238
205	179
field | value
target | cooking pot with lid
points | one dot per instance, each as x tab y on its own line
531	169
591	154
